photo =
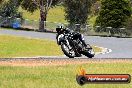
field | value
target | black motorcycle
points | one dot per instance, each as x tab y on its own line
72	46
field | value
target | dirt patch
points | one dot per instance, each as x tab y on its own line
60	62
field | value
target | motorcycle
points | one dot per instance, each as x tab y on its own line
72	46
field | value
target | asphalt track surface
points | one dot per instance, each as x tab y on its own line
121	47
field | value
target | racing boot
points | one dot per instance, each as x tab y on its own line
85	45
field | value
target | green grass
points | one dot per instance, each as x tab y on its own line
60	76
11	46
92	20
55	14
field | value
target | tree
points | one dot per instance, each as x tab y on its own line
113	13
1	1
129	26
9	8
77	11
9	11
42	5
95	8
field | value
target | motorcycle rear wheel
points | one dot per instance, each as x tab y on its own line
89	55
89	52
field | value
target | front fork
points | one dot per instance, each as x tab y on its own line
75	48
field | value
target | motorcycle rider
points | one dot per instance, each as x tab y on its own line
60	30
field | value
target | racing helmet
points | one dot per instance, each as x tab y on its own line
59	27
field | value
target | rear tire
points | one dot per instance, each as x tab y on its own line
66	52
89	55
89	52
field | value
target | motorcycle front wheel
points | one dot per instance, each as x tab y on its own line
68	52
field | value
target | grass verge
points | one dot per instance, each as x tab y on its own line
12	46
61	76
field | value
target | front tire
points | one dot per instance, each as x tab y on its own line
67	52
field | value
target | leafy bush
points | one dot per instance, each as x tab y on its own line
129	26
113	13
77	11
9	11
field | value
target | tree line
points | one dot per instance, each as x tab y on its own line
112	13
